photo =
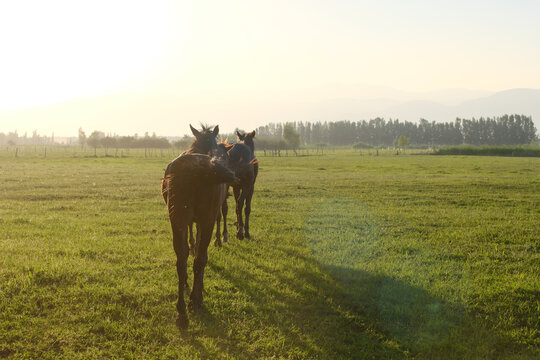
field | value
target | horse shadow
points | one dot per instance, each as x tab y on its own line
334	327
323	306
333	312
352	314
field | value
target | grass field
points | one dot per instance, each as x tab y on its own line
352	257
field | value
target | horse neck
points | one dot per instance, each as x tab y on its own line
241	153
249	145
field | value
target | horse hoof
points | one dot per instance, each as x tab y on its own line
182	322
239	236
248	236
225	238
217	243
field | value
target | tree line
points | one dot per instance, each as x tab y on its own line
503	130
13	138
277	137
98	139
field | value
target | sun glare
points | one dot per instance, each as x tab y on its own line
60	49
241	60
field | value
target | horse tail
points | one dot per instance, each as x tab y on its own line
165	184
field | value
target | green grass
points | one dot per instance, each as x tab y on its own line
526	150
352	256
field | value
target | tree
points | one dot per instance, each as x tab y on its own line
183	143
94	140
107	142
291	137
403	141
82	138
321	147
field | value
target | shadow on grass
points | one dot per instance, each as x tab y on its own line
332	312
307	312
313	302
421	325
343	238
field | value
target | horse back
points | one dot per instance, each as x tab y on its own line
193	185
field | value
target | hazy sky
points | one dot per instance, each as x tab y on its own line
56	50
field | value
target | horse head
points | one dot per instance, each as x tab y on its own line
205	140
247	139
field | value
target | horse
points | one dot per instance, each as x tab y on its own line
223	156
245	165
192	189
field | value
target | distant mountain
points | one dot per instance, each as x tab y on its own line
452	97
514	101
417	109
170	115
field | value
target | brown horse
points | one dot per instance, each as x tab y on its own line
193	191
243	162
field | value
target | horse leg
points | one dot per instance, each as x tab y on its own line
239	205
236	192
247	210
182	251
191	240
224	212
217	242
196	296
197	239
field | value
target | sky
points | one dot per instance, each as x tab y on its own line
210	53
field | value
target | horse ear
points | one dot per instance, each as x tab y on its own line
195	132
240	136
252	134
216	130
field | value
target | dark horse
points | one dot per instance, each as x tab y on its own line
223	156
243	162
193	191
